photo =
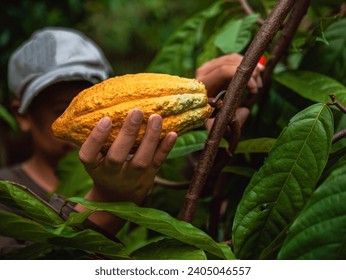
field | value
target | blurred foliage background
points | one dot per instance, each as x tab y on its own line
129	31
175	37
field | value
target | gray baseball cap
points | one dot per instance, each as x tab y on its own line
53	55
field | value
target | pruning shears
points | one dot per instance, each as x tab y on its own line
216	103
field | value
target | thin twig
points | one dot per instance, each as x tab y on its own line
339	135
342	133
171	184
336	103
249	11
231	102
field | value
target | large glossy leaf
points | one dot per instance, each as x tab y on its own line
312	85
319	232
190	142
236	34
169	249
177	55
280	189
73	179
163	223
20	198
21	228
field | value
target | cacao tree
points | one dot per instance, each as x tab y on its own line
276	191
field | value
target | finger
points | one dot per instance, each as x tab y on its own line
145	153
258	70
242	115
259	82
163	150
89	153
209	123
218	78
125	139
252	86
230	59
260	67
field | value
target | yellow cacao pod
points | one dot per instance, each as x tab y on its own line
181	102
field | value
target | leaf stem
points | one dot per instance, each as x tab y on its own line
342	133
336	103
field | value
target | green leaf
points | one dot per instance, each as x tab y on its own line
8	118
88	240
20	198
133	239
209	52
334	157
272	250
280	189
325	22
256	145
77	218
169	249
319	232
312	85
187	143
329	59
176	57
236	34
163	223
190	142
73	179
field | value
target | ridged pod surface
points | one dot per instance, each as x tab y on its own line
181	102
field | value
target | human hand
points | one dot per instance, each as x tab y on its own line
117	175
217	73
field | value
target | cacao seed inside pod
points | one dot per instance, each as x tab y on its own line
181	102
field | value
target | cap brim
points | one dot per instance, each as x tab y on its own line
67	73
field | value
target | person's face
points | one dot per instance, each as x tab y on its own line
44	110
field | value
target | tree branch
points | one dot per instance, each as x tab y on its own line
339	135
249	11
342	133
217	181
231	102
336	103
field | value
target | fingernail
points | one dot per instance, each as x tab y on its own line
260	67
172	137
136	116
104	123
252	83
156	122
